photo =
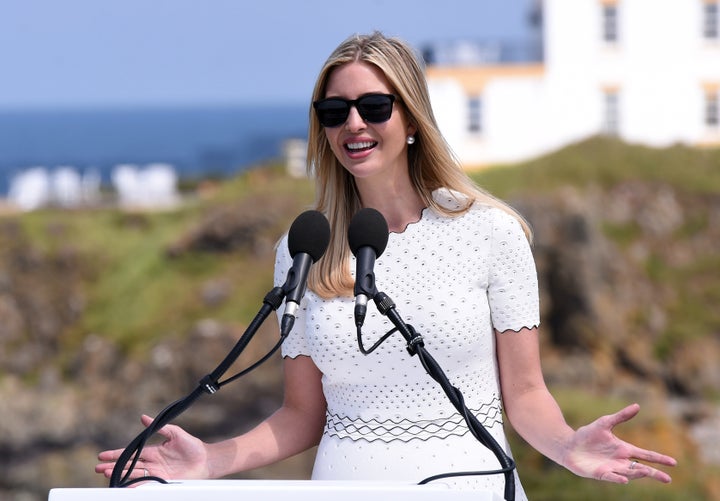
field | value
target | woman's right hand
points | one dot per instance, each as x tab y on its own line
180	456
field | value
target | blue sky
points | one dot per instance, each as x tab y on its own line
98	53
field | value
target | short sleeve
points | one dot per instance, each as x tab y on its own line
295	344
513	286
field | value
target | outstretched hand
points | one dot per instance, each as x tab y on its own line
180	456
595	452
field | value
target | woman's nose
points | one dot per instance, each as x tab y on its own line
354	120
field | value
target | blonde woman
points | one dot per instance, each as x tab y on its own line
459	265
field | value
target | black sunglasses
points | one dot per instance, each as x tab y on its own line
373	108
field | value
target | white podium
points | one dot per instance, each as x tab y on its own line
274	490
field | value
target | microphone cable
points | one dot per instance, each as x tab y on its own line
209	384
367	351
416	346
308	239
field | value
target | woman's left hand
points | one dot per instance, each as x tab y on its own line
595	452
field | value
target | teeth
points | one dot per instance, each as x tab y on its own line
360	146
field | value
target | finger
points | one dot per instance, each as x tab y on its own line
109	467
658	475
110	455
103	467
136	473
644	471
615	478
165	431
654	457
623	415
106	470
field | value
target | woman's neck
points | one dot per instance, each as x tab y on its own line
399	206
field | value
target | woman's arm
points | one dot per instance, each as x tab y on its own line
293	428
591	451
531	409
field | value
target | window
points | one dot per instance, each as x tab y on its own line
475	114
610	22
711	20
712	108
611	112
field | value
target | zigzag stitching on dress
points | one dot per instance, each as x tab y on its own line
404	430
530	327
449	427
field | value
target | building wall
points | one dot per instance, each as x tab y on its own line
512	104
658	73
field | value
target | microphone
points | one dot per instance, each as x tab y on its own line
367	237
308	239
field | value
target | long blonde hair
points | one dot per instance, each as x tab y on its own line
431	161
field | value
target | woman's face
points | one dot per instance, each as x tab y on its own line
368	150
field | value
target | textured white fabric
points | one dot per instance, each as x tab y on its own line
454	279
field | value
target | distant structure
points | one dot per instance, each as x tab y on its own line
646	71
295	157
66	186
37	187
30	189
151	187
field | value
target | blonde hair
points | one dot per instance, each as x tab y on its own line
431	162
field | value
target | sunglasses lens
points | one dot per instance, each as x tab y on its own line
375	108
332	112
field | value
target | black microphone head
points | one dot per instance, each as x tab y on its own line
368	228
309	233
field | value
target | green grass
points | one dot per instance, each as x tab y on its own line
605	162
135	293
622	234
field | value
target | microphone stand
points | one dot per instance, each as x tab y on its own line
416	346
209	384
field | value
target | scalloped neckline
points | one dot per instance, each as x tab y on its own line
411	223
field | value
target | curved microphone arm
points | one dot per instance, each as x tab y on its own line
209	384
416	346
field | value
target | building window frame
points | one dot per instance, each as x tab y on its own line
475	114
712	108
711	20
611	111
610	23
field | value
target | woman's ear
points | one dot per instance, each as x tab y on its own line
411	130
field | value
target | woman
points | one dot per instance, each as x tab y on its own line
458	263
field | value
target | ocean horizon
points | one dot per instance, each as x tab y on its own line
199	142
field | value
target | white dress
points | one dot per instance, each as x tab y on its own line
455	280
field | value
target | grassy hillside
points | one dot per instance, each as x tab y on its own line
139	288
135	293
692	285
605	162
692	175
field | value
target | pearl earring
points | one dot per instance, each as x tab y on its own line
410	140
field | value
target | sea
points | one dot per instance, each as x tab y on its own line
199	142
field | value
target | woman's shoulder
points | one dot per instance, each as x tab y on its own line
282	252
451	200
454	201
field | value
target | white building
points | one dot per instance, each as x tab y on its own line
65	186
153	186
647	71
